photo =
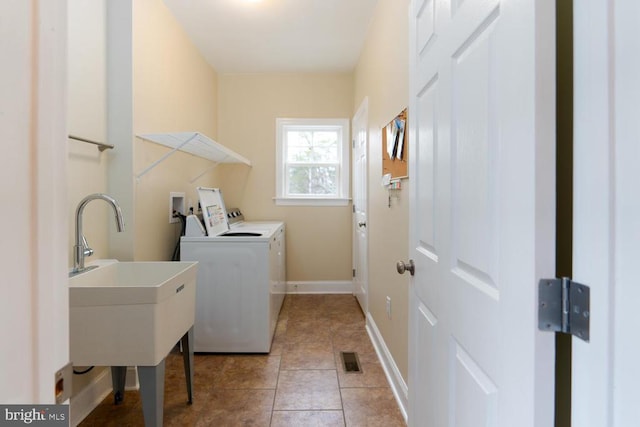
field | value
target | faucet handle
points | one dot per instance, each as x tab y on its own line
85	247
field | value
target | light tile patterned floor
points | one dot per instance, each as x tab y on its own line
300	383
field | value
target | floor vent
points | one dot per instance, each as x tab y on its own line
350	362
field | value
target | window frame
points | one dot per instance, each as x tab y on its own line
342	197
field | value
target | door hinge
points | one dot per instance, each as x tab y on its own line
353	208
354	273
563	306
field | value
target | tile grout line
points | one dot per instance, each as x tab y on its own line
333	347
275	391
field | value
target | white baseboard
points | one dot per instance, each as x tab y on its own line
90	397
320	287
397	383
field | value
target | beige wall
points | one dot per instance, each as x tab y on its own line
174	90
87	167
318	238
382	76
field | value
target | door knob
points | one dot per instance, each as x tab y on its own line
402	267
362	224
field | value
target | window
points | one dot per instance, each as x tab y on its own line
312	162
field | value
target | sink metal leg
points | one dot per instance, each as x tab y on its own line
187	356
152	393
118	380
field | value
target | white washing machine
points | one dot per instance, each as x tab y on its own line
241	280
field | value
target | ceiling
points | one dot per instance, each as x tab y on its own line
249	36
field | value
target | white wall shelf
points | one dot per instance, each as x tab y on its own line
195	144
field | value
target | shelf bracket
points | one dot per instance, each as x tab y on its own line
209	169
193	143
163	158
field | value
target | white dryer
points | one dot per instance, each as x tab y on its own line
241	279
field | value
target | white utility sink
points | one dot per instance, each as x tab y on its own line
130	313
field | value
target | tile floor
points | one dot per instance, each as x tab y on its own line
300	383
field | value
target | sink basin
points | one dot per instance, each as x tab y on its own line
130	313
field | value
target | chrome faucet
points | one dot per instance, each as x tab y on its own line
81	249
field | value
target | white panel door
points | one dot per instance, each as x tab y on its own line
606	210
360	145
482	143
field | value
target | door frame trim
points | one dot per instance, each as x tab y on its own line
361	112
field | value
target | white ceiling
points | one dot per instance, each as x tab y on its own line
243	36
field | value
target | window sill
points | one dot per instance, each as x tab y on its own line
303	201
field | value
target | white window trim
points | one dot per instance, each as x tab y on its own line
345	165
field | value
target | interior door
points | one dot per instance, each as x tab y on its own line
359	147
482	141
606	213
